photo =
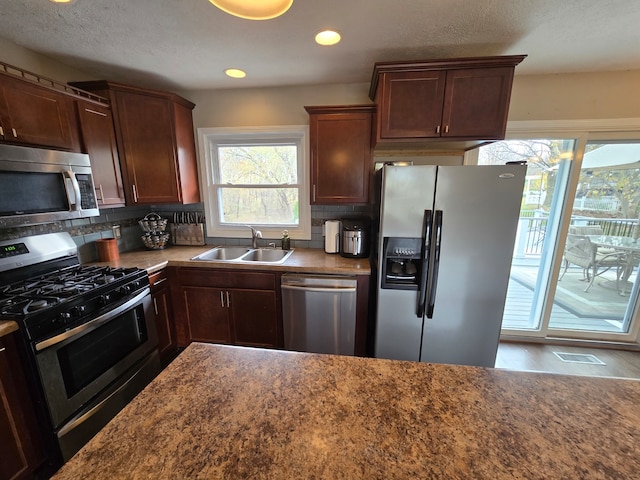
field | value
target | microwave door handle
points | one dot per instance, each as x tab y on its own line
74	201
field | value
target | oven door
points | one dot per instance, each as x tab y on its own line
79	366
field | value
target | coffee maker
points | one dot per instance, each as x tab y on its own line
355	237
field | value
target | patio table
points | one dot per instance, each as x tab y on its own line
626	245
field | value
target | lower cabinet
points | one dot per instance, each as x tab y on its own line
224	306
20	442
160	294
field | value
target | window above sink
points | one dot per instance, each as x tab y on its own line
257	176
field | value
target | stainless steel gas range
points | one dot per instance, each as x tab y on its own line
88	336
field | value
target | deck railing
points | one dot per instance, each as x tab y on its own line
532	227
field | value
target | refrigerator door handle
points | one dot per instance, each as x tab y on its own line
436	262
424	260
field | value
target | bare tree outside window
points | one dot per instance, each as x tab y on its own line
255	183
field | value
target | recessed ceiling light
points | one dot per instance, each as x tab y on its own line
327	37
235	73
254	9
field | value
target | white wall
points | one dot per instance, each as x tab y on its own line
604	95
26	59
269	106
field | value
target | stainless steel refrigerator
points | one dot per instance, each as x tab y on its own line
445	242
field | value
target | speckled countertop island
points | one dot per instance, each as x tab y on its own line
220	412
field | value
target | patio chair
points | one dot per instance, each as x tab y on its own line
580	251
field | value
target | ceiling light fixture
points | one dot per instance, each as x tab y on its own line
235	73
327	37
254	9
62	1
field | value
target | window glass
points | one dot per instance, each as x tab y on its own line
256	177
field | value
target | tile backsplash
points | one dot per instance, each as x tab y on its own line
86	231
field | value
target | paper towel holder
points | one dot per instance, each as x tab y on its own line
331	231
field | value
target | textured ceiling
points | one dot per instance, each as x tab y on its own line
186	44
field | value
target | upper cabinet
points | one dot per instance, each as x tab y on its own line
341	162
34	114
99	141
154	132
464	100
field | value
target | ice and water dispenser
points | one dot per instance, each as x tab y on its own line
401	263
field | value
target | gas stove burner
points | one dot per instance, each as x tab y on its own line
37	305
106	278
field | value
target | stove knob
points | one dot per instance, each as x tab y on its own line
79	310
105	299
64	317
125	289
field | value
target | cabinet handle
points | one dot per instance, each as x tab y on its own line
228	300
438	129
222	298
2	349
155	305
135	193
88	110
155	284
314	192
446	129
15	134
1	131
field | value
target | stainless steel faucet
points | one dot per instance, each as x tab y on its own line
255	235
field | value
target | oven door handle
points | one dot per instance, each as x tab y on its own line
93	324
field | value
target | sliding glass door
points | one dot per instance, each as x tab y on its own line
575	261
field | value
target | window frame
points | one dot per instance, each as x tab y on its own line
210	138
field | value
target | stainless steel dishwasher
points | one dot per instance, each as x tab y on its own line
319	313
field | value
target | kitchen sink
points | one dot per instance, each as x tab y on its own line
222	254
244	255
270	255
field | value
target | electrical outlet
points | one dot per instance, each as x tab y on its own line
116	231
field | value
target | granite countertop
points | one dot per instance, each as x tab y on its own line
302	260
220	412
306	260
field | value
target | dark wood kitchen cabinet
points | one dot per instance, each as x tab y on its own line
341	158
224	306
34	114
442	100
161	296
21	451
99	141
155	138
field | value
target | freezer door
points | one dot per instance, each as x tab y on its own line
398	329
406	193
480	206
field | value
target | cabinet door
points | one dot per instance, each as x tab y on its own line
255	318
477	102
35	115
164	324
207	314
148	145
341	164
410	104
99	141
21	446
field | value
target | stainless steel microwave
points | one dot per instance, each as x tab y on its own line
42	186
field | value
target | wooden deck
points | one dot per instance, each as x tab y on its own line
600	309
